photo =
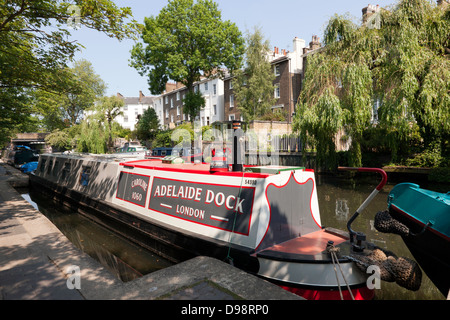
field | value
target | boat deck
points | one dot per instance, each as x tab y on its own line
311	246
204	168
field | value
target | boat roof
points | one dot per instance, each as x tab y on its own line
204	168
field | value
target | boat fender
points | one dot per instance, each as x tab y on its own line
403	271
384	222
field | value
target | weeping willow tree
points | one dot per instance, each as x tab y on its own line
402	62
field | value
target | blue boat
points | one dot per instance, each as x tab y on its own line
29	167
424	217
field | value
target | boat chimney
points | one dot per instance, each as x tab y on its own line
238	140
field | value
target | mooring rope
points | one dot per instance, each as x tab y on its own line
334	258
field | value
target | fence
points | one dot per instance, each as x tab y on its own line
277	143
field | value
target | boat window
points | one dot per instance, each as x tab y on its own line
55	168
66	170
42	167
50	165
84	178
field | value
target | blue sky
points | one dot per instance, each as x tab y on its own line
280	20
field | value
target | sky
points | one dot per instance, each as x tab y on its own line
280	20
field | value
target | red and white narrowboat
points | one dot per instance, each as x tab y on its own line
263	219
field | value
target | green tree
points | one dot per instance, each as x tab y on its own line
402	63
148	125
34	37
253	87
93	136
59	139
83	88
186	41
106	110
35	49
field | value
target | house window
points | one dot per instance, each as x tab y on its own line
277	70
166	99
178	96
231	100
171	118
167	114
375	106
214	89
276	91
171	102
231	117
125	119
206	86
178	110
215	109
231	84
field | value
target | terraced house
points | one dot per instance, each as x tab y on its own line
169	105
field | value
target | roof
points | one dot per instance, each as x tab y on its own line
137	100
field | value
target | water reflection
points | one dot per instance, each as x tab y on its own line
121	257
339	197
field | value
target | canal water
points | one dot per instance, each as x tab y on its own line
339	197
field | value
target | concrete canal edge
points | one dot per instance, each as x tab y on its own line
37	262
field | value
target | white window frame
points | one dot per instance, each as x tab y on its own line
276	91
277	69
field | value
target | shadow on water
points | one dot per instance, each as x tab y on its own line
340	196
126	260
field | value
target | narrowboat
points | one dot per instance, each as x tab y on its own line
262	219
424	218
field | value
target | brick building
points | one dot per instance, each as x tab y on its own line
288	69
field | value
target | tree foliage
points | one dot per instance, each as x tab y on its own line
403	63
186	41
106	110
34	37
148	125
35	50
253	86
83	88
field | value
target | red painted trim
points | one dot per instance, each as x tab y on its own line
420	223
362	293
135	164
378	170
